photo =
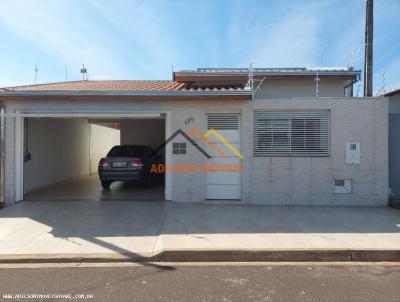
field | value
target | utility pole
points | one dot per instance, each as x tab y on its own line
369	39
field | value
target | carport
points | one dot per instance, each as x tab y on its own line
59	153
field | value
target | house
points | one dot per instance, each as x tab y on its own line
394	143
276	136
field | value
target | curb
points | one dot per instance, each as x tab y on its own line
340	255
74	258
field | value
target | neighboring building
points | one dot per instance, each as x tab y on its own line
394	143
301	137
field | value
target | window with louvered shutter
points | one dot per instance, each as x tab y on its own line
291	133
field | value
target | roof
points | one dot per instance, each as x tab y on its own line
128	88
275	69
391	92
280	71
122	86
201	81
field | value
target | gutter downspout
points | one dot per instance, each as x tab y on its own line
2	155
350	85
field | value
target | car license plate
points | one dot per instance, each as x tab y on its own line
119	164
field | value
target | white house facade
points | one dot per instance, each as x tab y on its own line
299	136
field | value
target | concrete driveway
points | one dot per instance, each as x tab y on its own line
147	227
88	187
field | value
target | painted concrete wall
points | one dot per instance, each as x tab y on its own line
266	180
149	132
59	150
282	88
304	180
310	180
394	145
102	139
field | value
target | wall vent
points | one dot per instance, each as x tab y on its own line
342	186
223	121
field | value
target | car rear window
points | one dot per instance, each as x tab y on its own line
126	151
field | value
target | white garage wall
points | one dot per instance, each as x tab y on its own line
59	150
149	132
102	139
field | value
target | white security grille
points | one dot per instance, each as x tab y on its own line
222	121
291	133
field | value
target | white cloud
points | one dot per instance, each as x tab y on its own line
140	40
151	34
283	36
61	31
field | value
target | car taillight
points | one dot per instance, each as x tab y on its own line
103	162
137	163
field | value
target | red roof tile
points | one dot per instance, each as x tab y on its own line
121	86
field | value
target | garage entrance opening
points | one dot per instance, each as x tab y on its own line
62	155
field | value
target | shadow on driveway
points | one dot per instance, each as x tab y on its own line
146	227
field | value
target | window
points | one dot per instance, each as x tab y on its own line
179	148
291	133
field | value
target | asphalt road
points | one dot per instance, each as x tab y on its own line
261	282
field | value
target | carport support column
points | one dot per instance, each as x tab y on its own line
2	155
168	157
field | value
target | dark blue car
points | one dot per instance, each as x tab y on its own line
128	163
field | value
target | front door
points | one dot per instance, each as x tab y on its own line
224	185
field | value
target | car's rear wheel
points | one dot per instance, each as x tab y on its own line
105	184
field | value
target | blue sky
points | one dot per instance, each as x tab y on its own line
125	39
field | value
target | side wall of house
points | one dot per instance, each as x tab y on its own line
265	180
394	145
59	149
150	132
102	139
281	88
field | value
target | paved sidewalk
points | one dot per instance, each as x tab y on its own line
147	228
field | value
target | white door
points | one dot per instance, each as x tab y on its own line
224	185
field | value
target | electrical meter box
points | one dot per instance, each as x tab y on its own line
353	153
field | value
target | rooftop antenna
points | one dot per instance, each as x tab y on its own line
250	81
317	79
36	74
84	72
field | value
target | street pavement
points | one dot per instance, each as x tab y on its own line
218	282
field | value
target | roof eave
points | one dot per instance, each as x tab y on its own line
192	75
126	93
